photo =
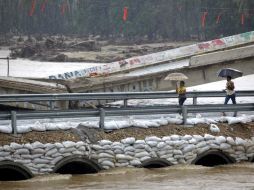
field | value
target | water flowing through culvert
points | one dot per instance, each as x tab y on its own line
176	177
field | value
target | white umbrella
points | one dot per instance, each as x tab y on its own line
176	77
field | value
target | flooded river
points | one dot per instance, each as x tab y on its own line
228	177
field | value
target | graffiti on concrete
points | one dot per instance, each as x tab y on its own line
159	57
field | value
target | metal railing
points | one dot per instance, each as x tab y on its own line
125	96
103	112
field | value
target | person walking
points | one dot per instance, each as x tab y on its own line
181	91
230	93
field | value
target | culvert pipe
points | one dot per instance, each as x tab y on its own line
13	171
76	165
155	163
213	158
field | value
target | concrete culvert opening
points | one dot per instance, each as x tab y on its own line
11	171
213	158
155	163
76	165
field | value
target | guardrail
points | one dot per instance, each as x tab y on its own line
125	96
103	112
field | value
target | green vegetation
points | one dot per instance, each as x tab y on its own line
150	19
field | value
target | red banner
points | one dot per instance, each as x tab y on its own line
242	19
203	18
218	19
125	13
31	12
43	6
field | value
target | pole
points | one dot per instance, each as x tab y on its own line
8	66
14	122
102	118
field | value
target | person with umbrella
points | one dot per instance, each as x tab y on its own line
181	91
230	86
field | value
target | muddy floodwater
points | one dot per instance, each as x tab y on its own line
231	177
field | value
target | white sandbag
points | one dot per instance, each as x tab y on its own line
129	149
4	154
166	138
174	120
67	150
91	124
123	124
16	146
40	161
5	129
23	129
145	158
28	146
37	126
22	151
76	152
187	137
141	154
188	148
51	126
69	144
123	157
193	141
37	145
162	121
245	119
239	141
233	120
220	139
51	152
210	121
152	143
160	145
38	151
96	147
194	121
198	138
105	155
129	140
139	146
209	137
139	123
59	145
225	146
107	163
140	142
177	152
175	137
49	146
214	128
153	138
230	141
201	144
79	144
135	162
105	142
110	125
56	159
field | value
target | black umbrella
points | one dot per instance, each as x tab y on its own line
233	73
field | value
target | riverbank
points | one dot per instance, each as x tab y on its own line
83	49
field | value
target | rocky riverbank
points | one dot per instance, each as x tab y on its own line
81	49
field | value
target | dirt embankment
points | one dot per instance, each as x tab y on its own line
245	131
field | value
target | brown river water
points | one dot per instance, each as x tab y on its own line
227	177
